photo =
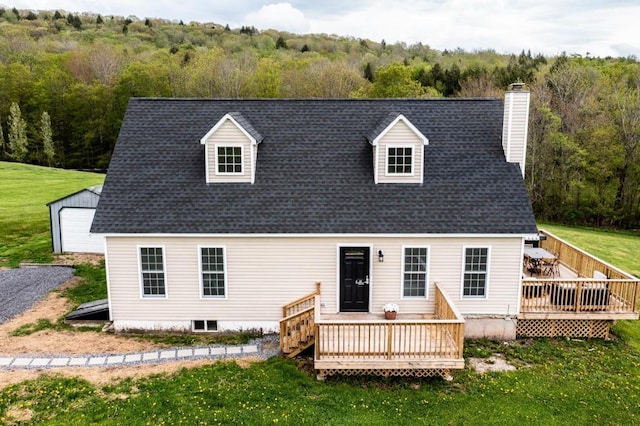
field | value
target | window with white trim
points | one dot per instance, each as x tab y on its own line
414	282
212	271
152	271
474	281
229	159
399	160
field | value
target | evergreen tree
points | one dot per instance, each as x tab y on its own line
305	48
148	23
368	72
17	134
31	16
2	141
281	43
57	15
47	140
99	20
226	28
16	13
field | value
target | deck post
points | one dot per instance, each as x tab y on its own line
389	340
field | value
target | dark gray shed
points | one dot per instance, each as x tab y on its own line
71	219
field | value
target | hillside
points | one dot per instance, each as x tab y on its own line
583	160
25	191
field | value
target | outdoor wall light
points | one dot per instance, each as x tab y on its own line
380	256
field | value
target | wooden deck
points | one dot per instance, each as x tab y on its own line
420	344
585	288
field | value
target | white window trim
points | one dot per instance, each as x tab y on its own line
164	271
487	273
224	266
217	172
413	161
426	273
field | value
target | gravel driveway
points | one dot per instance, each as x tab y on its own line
21	288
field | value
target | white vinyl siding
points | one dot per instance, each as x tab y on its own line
152	272
212	272
263	274
415	267
399	136
475	278
516	120
228	136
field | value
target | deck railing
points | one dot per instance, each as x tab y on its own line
397	340
579	261
297	327
579	295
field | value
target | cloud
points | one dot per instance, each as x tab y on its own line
279	16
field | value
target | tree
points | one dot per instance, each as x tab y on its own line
16	13
148	23
17	134
47	140
395	81
99	20
2	141
57	15
281	43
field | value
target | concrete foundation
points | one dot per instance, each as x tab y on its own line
498	328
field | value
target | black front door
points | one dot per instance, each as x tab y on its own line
354	279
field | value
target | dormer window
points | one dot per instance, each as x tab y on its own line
229	160
398	150
400	161
231	150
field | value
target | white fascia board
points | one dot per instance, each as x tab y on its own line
220	123
413	128
296	235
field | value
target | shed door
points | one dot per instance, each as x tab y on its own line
75	224
354	279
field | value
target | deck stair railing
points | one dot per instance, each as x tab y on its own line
297	326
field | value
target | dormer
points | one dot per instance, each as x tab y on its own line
398	151
231	150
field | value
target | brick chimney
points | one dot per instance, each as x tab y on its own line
515	123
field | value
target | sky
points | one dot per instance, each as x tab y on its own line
550	27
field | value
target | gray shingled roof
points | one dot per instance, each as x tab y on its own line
314	171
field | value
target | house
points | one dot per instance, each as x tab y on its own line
71	217
307	216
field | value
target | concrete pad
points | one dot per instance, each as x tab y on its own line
59	362
149	356
250	349
133	358
185	352
78	361
40	362
217	351
201	352
21	362
5	361
167	354
97	360
234	350
115	359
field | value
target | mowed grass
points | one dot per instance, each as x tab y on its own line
558	381
621	249
25	191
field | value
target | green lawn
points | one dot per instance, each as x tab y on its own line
24	217
621	249
558	382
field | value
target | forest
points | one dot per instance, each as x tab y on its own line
66	78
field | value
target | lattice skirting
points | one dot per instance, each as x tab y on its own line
598	329
401	372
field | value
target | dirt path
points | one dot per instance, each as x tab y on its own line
49	342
